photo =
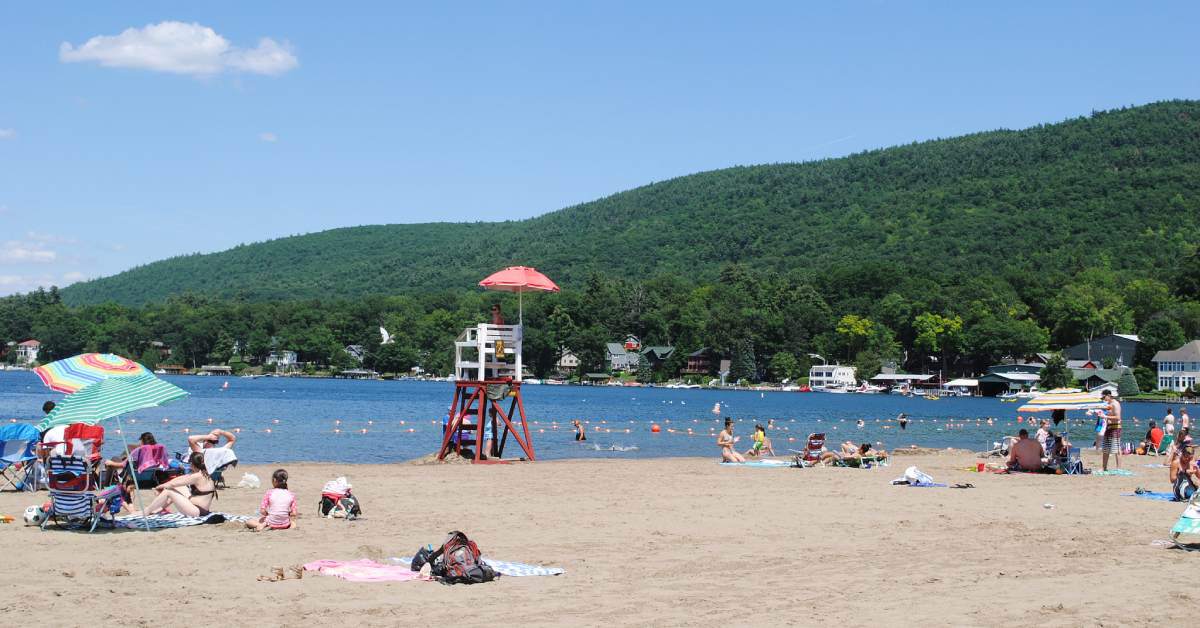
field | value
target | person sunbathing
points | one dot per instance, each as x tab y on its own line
853	454
202	490
726	440
1025	454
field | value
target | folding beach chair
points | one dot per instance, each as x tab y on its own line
151	467
811	454
1163	446
75	501
18	456
84	440
1074	464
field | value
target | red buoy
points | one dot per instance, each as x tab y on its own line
655	428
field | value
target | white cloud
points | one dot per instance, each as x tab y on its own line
49	238
268	137
7	134
73	276
180	48
15	251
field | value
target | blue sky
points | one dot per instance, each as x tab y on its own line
231	122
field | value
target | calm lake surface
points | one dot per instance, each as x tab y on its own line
293	419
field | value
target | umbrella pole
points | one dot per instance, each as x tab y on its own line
521	308
133	473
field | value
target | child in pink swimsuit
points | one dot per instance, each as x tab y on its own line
278	508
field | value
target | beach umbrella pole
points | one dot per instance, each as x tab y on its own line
133	473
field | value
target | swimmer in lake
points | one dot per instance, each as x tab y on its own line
903	420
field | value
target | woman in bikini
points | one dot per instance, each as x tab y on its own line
201	491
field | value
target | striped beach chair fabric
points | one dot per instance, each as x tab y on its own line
74	498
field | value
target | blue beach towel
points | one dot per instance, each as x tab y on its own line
504	567
927	484
761	464
1120	472
1159	497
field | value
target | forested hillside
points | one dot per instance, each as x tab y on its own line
946	255
1031	206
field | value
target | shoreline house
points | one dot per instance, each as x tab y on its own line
282	360
1120	349
27	351
699	362
832	376
618	358
1179	369
568	363
657	355
1002	378
1096	378
356	352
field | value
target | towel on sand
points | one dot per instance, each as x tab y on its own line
502	567
1120	472
1160	497
217	457
764	464
171	520
363	570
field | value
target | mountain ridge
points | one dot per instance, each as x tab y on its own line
1043	199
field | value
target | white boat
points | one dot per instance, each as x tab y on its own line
836	388
868	389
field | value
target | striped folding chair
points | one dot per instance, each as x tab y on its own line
811	454
75	501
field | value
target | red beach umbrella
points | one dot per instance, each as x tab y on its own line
519	279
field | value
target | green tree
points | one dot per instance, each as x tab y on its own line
854	331
645	374
1159	334
742	363
784	366
938	335
1127	386
1055	374
1146	378
150	358
1146	298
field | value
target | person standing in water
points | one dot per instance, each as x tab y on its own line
903	421
1112	431
580	434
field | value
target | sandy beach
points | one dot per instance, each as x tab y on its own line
662	542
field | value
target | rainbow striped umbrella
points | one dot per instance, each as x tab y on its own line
1064	399
112	398
72	374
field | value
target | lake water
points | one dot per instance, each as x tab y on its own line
293	419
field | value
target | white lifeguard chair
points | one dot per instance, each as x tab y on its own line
484	378
483	351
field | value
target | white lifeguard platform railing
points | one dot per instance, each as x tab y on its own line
487	373
486	352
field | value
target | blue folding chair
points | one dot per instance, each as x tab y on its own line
18	459
1074	464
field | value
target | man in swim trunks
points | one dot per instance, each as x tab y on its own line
1025	453
1112	432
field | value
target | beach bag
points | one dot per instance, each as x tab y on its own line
340	506
458	561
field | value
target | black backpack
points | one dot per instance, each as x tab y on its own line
457	561
347	502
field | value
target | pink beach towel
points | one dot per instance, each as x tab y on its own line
363	570
150	457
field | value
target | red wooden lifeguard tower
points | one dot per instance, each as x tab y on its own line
488	371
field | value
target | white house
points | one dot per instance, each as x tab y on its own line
832	376
356	352
282	359
568	363
1178	370
27	352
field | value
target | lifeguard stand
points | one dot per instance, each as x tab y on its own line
484	379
